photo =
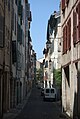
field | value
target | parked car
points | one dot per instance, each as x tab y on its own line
49	94
42	91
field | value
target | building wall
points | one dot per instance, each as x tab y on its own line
5	54
15	18
14	55
70	63
7	57
1	52
53	55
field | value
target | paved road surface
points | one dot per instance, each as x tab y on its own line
36	108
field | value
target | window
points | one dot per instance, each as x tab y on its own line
14	51
13	19
16	2
69	34
1	31
52	90
64	39
15	24
19	7
74	27
47	90
8	5
63	5
46	64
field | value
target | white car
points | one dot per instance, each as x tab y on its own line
49	93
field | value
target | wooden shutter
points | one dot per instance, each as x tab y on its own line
64	39
12	18
62	4
69	28
67	36
74	27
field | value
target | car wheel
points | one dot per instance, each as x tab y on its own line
55	98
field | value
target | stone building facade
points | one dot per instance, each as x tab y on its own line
1	51
15	53
52	52
20	46
70	21
5	54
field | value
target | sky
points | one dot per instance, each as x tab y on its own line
41	11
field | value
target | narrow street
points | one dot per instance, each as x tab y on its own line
36	108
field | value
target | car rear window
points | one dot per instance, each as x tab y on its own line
52	90
47	90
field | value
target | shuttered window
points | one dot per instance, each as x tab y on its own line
1	31
74	27
12	18
69	34
9	5
14	57
19	33
15	24
66	31
19	7
62	4
64	39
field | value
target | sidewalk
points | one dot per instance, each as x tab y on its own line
62	115
15	111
